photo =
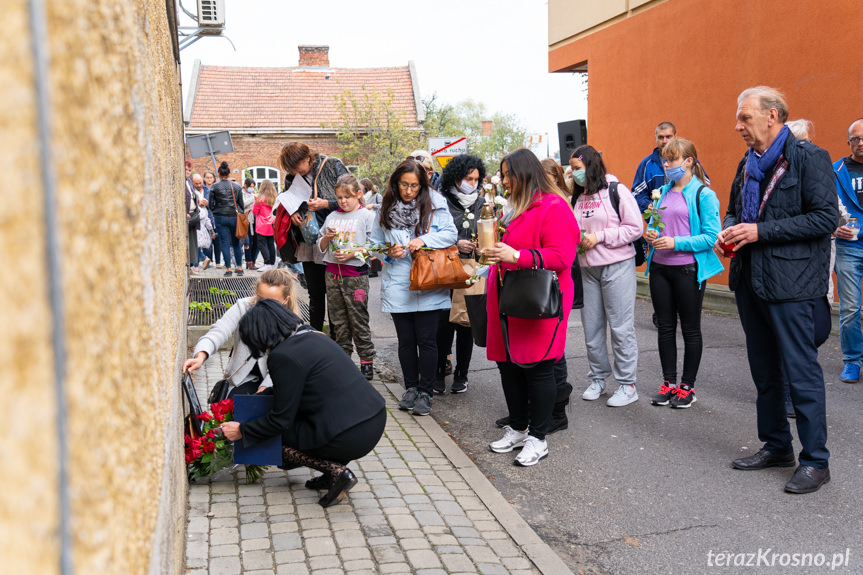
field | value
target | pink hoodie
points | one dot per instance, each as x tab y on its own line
595	215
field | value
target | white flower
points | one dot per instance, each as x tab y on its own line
501	201
466	225
655	194
471	216
495	180
487	187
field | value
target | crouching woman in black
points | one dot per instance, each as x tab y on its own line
324	409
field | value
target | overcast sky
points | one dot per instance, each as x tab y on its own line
491	51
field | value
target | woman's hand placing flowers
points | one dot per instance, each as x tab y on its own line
231	429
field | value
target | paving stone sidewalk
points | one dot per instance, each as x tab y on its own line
421	506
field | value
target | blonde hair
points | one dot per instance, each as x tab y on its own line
555	170
677	148
350	182
267	191
427	162
281	277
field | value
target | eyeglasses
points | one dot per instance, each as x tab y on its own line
412	187
419	159
855	140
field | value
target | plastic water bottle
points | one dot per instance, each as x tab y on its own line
853	223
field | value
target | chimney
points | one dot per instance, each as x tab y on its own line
314	56
487	127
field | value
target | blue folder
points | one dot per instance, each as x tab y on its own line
268	452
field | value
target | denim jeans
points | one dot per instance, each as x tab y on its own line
226	227
849	275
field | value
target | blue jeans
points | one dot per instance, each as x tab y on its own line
849	275
226	227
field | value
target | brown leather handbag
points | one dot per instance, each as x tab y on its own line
242	228
438	269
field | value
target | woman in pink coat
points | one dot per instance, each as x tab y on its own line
541	220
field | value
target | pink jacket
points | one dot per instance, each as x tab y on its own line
263	219
549	226
596	215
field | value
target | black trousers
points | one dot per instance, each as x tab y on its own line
354	442
317	287
780	339
675	291
563	388
463	336
267	247
252	250
530	395
417	335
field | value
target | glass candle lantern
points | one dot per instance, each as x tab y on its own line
486	231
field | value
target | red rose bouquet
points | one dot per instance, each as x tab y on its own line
211	452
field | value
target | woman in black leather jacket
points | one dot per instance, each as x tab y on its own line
223	194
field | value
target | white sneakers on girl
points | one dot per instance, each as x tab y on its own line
596	389
534	451
511	439
624	395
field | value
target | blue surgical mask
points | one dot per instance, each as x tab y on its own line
579	177
675	174
466	188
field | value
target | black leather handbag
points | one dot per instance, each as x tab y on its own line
532	293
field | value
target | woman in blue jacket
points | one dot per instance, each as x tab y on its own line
412	217
681	259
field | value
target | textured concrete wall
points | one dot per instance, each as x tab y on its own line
117	152
28	502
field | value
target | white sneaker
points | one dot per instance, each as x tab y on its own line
534	450
624	395
593	392
265	268
512	439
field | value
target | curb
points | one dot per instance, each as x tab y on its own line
720	299
542	556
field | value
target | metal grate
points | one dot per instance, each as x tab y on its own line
199	291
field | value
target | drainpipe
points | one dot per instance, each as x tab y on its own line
39	46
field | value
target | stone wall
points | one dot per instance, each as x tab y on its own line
117	159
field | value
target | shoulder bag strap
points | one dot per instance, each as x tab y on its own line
239	368
698	201
233	197
321	167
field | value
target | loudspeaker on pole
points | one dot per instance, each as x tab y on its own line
571	135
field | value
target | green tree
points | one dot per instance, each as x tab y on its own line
466	118
373	133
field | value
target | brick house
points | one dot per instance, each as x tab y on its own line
264	108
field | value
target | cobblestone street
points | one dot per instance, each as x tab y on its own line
421	506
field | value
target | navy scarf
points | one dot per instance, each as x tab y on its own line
755	169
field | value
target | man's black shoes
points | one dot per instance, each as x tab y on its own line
807	479
764	459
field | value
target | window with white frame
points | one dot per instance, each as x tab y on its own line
261	173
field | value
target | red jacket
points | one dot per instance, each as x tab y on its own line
548	225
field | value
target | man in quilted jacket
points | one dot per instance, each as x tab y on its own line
780	215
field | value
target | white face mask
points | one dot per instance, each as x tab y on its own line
466	188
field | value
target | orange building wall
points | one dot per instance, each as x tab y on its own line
686	61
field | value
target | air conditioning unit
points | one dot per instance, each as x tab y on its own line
211	16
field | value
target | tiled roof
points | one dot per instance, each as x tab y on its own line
239	97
